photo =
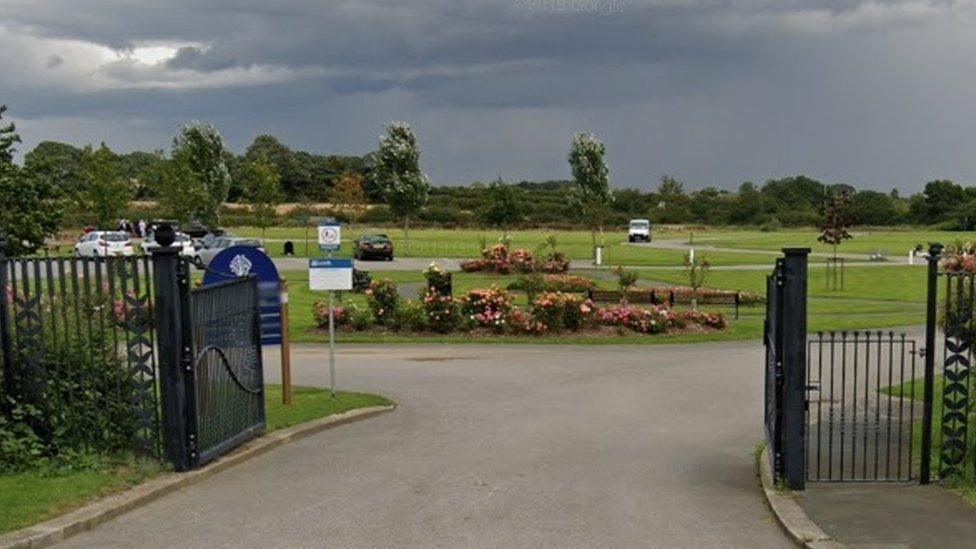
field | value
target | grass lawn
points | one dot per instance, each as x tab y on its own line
29	498
577	244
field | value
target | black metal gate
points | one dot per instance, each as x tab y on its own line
861	407
210	362
78	350
227	367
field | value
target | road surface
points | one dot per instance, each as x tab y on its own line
498	446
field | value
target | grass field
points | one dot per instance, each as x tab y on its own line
29	498
577	244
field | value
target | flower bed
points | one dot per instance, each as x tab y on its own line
554	283
499	259
491	310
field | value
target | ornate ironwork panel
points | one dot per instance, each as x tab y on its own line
956	402
227	367
78	347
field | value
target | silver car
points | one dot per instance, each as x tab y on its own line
206	253
183	241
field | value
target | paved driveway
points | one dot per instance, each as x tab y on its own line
498	446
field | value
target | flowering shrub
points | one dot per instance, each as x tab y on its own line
559	310
556	262
383	300
320	311
499	259
961	262
487	307
131	314
522	322
440	312
554	283
652	321
438	280
709	320
522	260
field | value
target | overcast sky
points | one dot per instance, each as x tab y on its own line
879	93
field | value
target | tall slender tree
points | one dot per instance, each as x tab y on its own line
262	190
103	193
398	173
591	174
197	181
349	196
8	138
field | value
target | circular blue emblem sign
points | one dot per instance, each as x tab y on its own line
238	261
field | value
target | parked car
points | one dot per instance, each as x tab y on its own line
640	230
183	241
103	244
373	246
207	252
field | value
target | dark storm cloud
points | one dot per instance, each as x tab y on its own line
717	91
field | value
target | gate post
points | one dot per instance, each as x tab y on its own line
6	345
925	473
172	317
794	366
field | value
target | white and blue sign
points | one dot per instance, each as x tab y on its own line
330	236
238	261
330	274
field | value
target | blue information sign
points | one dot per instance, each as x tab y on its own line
238	261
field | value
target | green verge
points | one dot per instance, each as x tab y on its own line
964	485
33	497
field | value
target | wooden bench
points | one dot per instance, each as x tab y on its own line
656	297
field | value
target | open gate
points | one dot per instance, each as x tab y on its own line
859	423
211	369
873	406
227	368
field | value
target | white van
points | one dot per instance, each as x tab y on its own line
640	230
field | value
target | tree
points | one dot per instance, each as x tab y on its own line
874	208
31	209
196	183
398	173
103	194
59	163
591	174
30	205
503	205
749	207
835	219
349	196
671	202
262	190
8	138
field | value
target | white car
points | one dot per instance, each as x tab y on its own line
640	229
104	244
221	243
183	241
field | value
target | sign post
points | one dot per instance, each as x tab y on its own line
330	274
